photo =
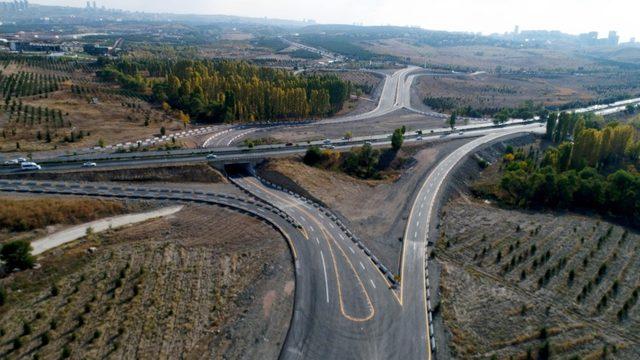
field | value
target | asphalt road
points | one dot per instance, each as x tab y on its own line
346	306
390	100
239	154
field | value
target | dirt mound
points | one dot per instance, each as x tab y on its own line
375	210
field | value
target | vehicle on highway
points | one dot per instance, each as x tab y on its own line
461	133
89	164
212	156
27	165
288	144
15	161
367	143
419	138
326	141
330	147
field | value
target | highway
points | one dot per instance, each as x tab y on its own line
243	154
390	101
347	304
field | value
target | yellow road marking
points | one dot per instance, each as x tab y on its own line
326	236
335	267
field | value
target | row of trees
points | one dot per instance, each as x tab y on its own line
596	171
585	142
217	91
28	84
63	65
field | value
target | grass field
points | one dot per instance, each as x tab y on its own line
19	216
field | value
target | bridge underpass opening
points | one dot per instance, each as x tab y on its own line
238	169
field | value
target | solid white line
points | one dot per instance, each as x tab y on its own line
362	266
326	282
372	284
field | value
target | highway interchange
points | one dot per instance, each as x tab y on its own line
348	304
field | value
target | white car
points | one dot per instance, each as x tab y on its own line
89	164
11	162
419	138
27	165
212	156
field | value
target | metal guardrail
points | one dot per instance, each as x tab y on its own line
379	265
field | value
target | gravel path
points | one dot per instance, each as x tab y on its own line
78	231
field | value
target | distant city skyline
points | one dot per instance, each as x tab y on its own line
487	16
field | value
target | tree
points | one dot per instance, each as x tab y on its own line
17	254
184	118
631	109
452	120
397	139
545	351
163	131
3	296
362	162
313	156
501	117
348	135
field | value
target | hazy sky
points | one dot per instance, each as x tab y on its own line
572	16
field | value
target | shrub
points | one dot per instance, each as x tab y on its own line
313	156
26	329
17	254
45	338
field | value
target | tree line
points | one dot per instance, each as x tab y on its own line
593	166
224	90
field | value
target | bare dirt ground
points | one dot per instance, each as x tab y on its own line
479	57
203	283
375	210
494	91
510	276
383	124
516	284
114	117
